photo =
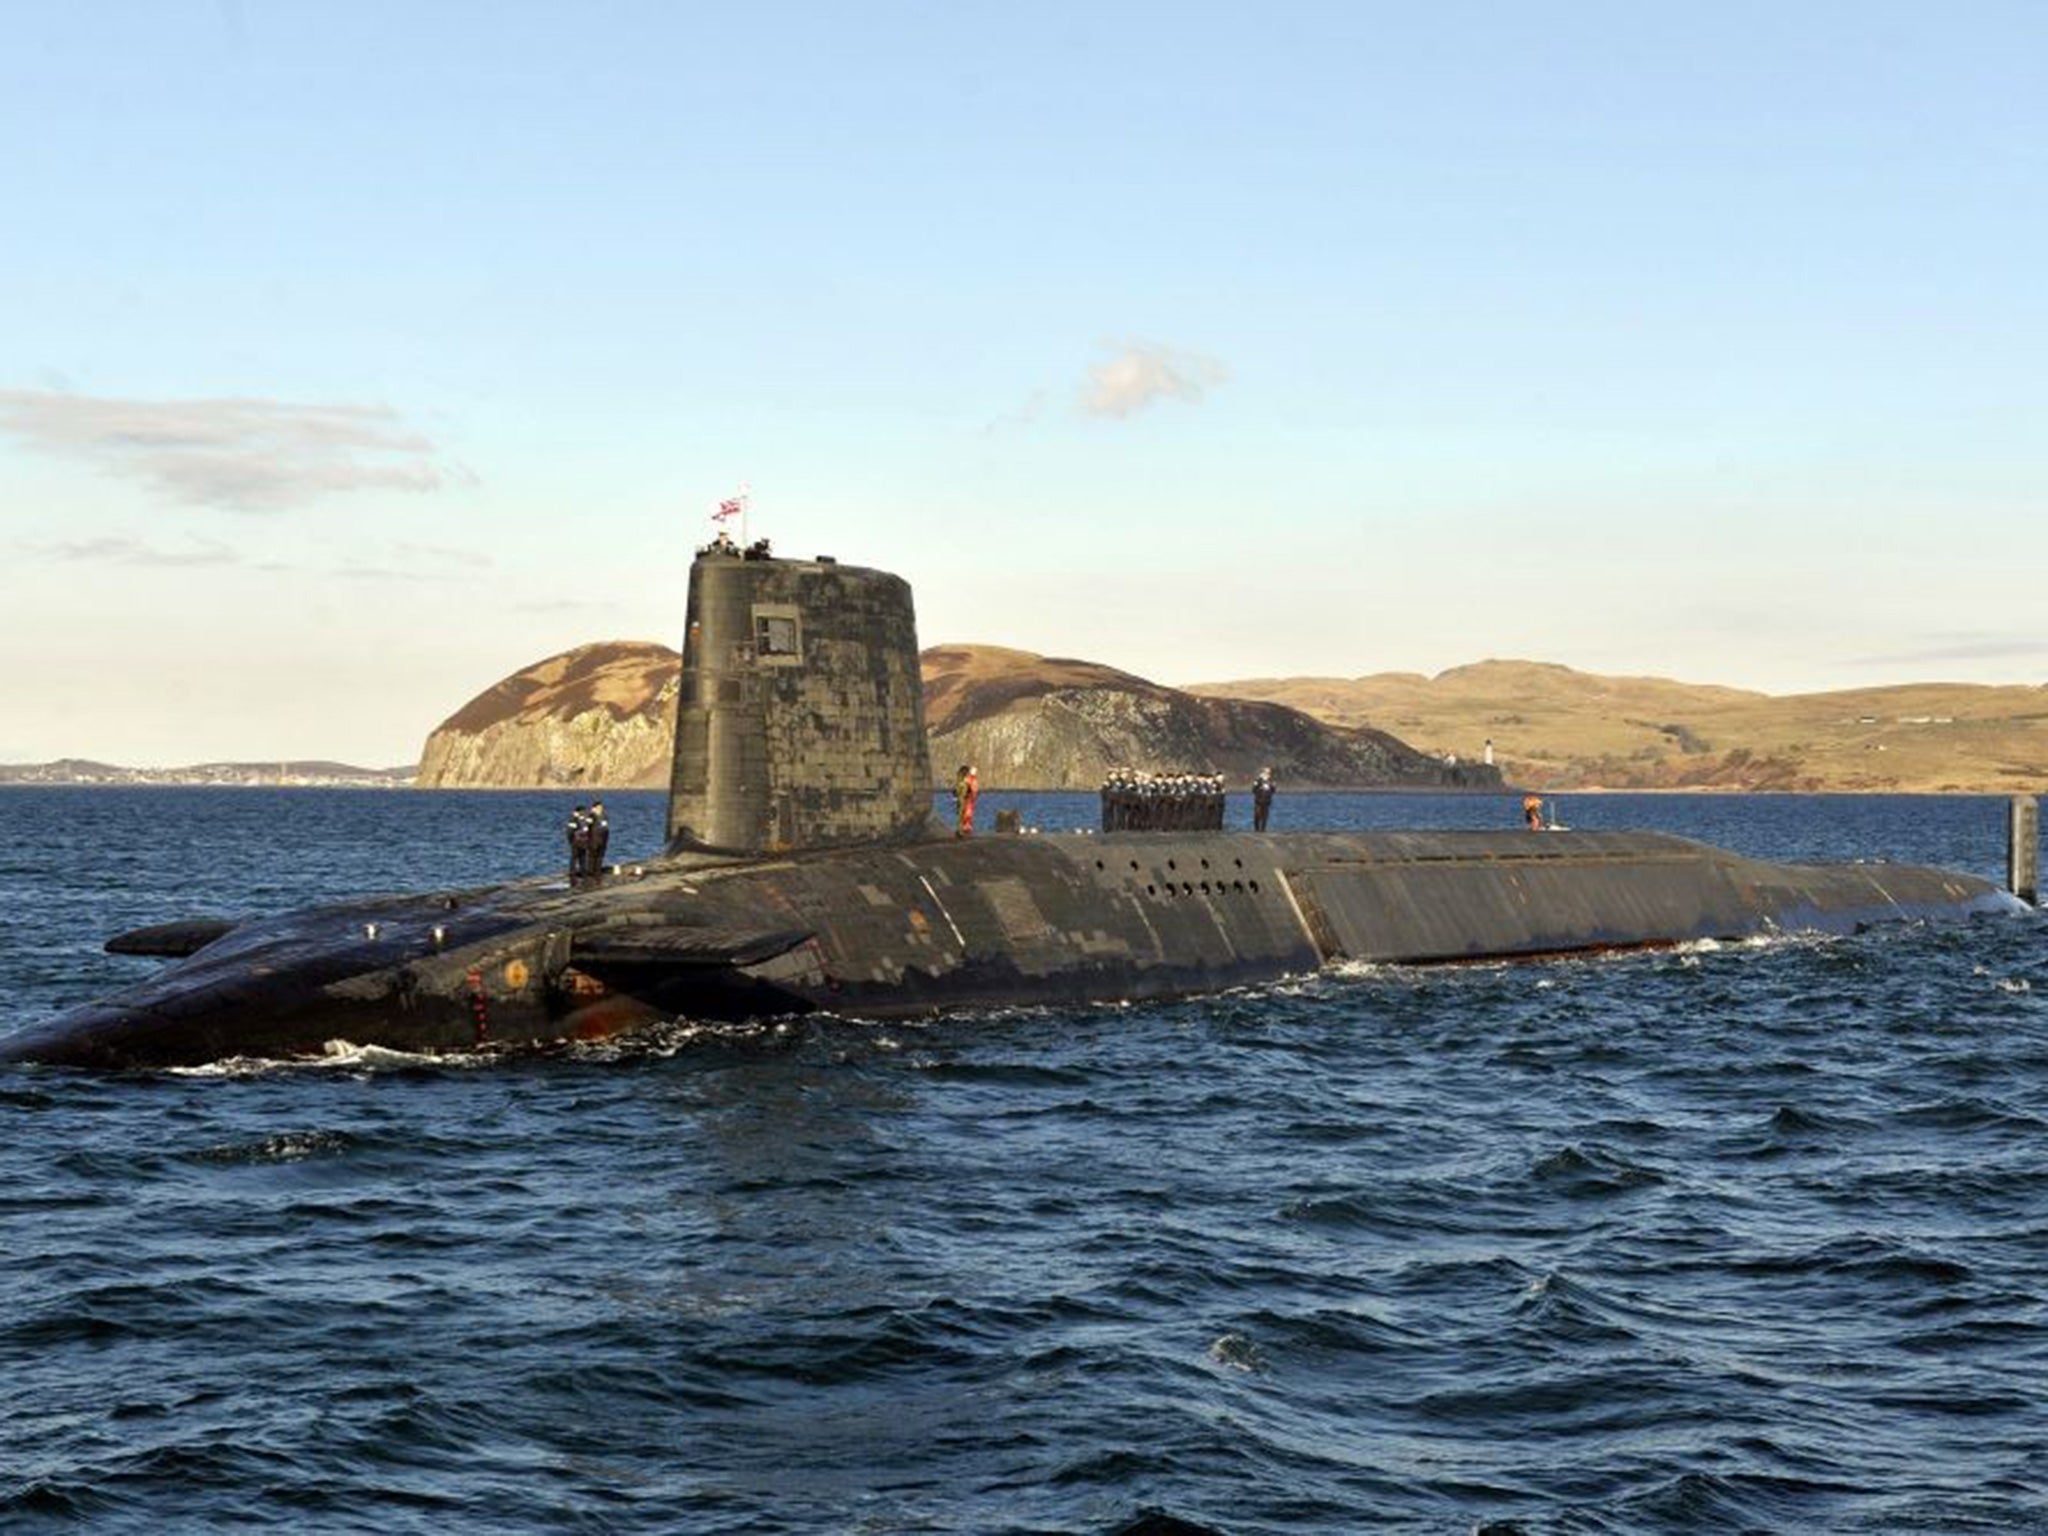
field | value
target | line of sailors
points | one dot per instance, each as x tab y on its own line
725	544
589	834
1136	801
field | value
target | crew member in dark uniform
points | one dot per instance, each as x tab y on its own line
578	831
1262	799
600	838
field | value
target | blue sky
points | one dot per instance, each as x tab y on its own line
352	356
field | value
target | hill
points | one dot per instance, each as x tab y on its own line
1557	728
604	715
1050	722
600	715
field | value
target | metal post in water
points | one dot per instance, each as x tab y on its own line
2023	849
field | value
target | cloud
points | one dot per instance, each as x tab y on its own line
121	551
383	573
444	554
1026	415
410	562
1959	648
1142	372
244	455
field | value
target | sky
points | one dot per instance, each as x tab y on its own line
353	356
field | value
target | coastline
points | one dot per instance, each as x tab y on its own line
1504	792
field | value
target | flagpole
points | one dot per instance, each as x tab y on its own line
731	506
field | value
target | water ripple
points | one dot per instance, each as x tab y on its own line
1736	1237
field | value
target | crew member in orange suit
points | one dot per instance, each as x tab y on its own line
965	788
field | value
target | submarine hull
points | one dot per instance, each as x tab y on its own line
889	932
802	875
1055	920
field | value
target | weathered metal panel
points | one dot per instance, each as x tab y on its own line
1439	908
799	724
2023	849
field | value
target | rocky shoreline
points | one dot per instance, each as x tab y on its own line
285	775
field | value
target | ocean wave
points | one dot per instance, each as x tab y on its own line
1725	1238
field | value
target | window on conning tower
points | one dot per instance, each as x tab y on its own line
774	635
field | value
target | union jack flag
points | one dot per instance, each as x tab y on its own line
732	506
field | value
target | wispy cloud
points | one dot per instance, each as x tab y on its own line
444	554
1026	415
245	455
1141	372
1959	647
410	562
125	551
384	573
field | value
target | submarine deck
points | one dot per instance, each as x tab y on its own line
1003	920
934	926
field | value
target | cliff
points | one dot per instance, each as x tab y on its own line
604	715
600	715
1047	722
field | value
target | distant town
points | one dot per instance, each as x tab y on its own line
306	775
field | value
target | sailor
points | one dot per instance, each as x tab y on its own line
965	787
578	831
600	832
1262	799
1532	812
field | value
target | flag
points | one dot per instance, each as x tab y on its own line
732	506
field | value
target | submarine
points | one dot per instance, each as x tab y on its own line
803	872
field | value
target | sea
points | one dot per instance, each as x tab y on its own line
1745	1238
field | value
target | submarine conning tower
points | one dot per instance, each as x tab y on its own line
801	718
